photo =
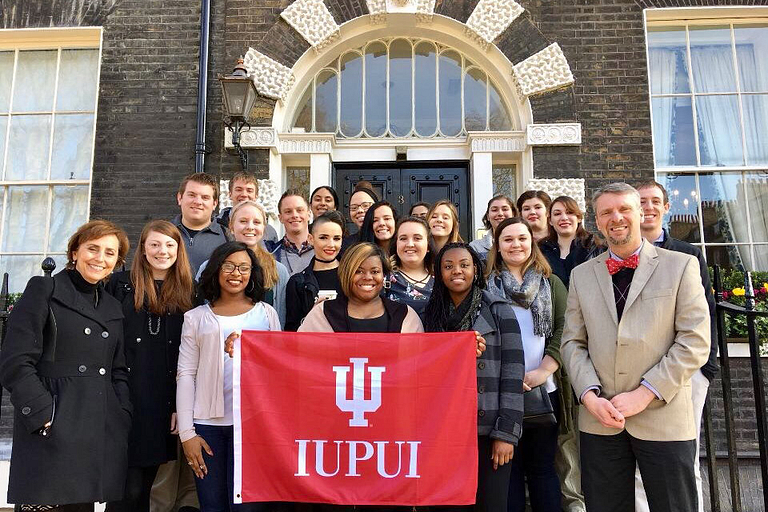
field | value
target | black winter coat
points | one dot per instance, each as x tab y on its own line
63	359
580	252
151	360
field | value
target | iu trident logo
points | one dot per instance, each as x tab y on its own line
358	406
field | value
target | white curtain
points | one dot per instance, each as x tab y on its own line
663	68
757	196
755	107
718	116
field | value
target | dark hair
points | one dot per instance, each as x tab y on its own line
366	230
288	193
584	237
534	194
209	281
437	311
651	184
366	189
330	216
537	260
429	258
420	203
329	189
515	213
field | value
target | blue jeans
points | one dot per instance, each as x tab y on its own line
534	462
215	490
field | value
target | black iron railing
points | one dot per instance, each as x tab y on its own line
749	312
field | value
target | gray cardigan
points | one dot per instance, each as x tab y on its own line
500	371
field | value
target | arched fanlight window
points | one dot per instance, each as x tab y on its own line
401	88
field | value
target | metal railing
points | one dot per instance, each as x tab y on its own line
749	312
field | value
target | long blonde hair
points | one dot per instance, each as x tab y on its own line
178	288
266	260
454	235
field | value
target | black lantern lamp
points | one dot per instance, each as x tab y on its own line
239	96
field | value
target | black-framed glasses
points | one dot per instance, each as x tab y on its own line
228	268
361	206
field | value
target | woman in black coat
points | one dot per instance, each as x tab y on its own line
64	365
155	294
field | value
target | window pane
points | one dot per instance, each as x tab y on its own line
723	208
325	104
683	218
667	60
753	70
712	59
425	76
70	210
72	146
499	116
719	130
755	109
450	93
303	117
474	100
761	259
298	178
25	218
28	148
757	198
673	141
3	127
400	61
729	257
351	66
6	76
77	80
35	75
375	89
503	177
20	270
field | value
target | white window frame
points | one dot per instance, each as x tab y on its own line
703	16
48	39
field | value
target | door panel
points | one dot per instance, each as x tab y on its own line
408	184
434	184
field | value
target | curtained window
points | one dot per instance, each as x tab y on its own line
47	121
709	105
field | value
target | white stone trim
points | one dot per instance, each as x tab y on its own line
490	18
573	187
257	137
559	134
267	198
313	20
306	143
497	142
481	191
542	72
425	9
271	78
378	9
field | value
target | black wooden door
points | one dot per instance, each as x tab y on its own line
406	184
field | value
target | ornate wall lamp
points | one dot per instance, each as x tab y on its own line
239	96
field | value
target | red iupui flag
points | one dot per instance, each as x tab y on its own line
356	418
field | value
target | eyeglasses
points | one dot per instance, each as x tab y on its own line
228	268
361	206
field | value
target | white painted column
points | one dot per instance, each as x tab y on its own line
319	170
481	176
276	175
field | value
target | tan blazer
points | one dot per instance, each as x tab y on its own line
663	337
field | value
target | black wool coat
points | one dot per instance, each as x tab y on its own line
151	360
63	359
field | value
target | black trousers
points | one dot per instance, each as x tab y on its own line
608	473
138	486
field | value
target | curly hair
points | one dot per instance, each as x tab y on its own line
209	281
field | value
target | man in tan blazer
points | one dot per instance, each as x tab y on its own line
636	330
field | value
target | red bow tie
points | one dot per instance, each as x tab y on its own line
616	265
